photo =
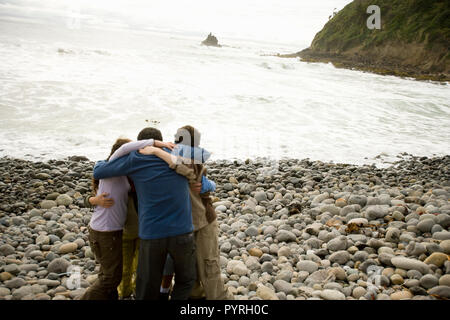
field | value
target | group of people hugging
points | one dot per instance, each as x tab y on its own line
153	230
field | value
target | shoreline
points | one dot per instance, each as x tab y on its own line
381	160
304	230
360	63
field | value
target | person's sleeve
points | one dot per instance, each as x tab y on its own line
87	204
115	168
207	185
200	155
185	171
129	147
205	154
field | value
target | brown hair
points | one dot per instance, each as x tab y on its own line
193	133
150	133
119	142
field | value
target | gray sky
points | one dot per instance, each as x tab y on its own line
270	20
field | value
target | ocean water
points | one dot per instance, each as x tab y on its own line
73	92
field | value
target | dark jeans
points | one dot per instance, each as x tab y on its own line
152	257
107	248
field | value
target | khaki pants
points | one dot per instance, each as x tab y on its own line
208	265
107	248
130	251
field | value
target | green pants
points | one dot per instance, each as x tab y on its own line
130	250
106	248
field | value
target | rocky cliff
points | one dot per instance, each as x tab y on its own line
413	41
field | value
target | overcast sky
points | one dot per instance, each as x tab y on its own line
271	20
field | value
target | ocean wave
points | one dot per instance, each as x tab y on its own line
265	65
83	52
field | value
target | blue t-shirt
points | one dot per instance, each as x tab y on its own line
164	204
199	155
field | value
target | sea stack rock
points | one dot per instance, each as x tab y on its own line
211	40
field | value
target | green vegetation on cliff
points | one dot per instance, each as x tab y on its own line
414	38
424	21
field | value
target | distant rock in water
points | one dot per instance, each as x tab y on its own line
412	41
211	40
65	51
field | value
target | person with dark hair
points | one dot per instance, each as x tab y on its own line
209	283
165	219
149	133
107	223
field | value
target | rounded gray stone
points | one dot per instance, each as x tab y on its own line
225	247
308	266
410	264
358	199
337	244
441	235
4	292
48	204
425	225
64	200
267	267
429	281
251	231
441	291
58	265
329	294
392	235
283	286
22	292
11	268
443	220
7	249
285	236
341	257
260	196
15	283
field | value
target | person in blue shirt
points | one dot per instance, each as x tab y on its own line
209	282
165	219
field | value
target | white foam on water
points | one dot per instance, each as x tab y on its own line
73	94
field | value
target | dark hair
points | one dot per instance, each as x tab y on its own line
150	133
193	133
119	142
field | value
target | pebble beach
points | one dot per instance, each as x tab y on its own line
299	230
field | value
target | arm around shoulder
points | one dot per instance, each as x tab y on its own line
115	168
